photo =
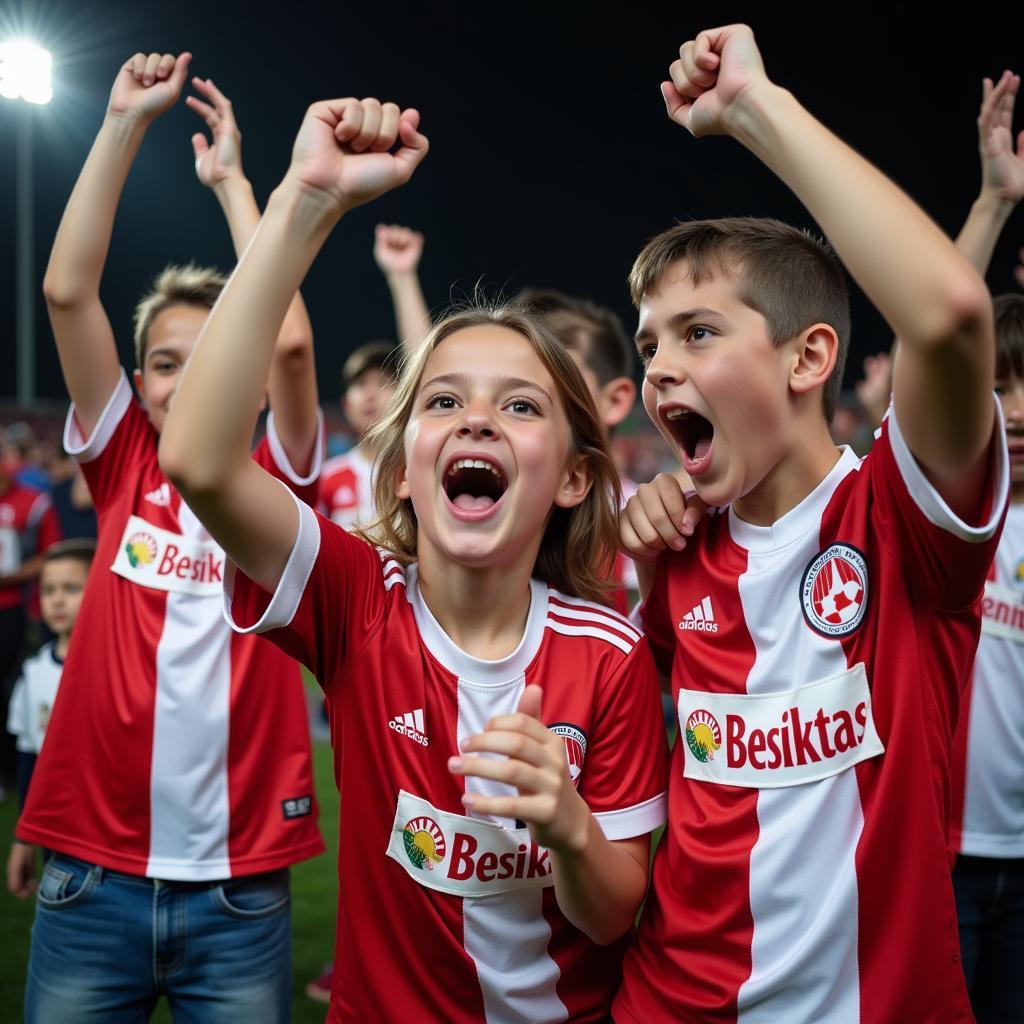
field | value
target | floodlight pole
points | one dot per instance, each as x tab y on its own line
26	305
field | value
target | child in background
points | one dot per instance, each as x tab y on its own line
820	628
61	586
472	888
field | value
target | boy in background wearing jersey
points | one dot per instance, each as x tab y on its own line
61	586
346	482
175	786
820	627
592	334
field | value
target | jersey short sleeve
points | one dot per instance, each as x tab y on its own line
121	439
271	455
328	602
948	558
626	774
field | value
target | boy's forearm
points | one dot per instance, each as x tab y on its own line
980	233
600	888
216	405
292	377
83	238
411	314
903	261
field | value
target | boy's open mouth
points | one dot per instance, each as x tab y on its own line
693	433
474	485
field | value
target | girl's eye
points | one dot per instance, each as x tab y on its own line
441	402
522	405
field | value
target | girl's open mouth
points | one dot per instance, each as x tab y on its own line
474	486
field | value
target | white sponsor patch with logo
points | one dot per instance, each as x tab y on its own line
1002	612
464	856
767	741
163	560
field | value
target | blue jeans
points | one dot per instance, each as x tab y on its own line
990	912
106	946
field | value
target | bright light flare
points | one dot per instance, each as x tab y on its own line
25	71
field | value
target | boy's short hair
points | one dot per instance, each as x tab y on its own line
585	327
188	285
374	355
83	549
1009	324
787	275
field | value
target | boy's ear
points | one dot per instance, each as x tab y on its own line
615	400
814	358
575	485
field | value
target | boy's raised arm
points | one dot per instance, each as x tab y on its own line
341	159
397	252
928	292
144	88
292	381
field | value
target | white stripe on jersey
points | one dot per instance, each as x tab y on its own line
600	634
506	935
595	619
815	907
599	611
190	810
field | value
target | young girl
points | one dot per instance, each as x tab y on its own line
473	886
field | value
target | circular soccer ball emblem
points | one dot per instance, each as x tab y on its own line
575	740
703	736
834	591
424	842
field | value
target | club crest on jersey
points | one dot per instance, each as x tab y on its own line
140	549
575	740
425	844
1018	573
834	590
703	735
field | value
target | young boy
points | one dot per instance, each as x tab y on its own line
820	628
61	586
346	483
175	785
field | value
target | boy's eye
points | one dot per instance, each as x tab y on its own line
699	333
647	353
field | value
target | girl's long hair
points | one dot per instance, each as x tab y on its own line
579	546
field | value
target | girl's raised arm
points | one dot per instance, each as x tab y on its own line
341	160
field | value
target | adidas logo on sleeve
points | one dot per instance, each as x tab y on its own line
701	618
411	724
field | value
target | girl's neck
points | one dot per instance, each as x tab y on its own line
1017	493
483	610
60	648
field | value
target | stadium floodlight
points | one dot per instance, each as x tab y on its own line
25	71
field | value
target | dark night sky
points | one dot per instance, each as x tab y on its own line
551	160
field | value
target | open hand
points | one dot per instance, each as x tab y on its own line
1002	169
216	163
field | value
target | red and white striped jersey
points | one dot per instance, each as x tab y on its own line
445	915
817	666
346	489
988	754
175	749
28	525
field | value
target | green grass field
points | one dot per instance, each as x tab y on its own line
314	898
